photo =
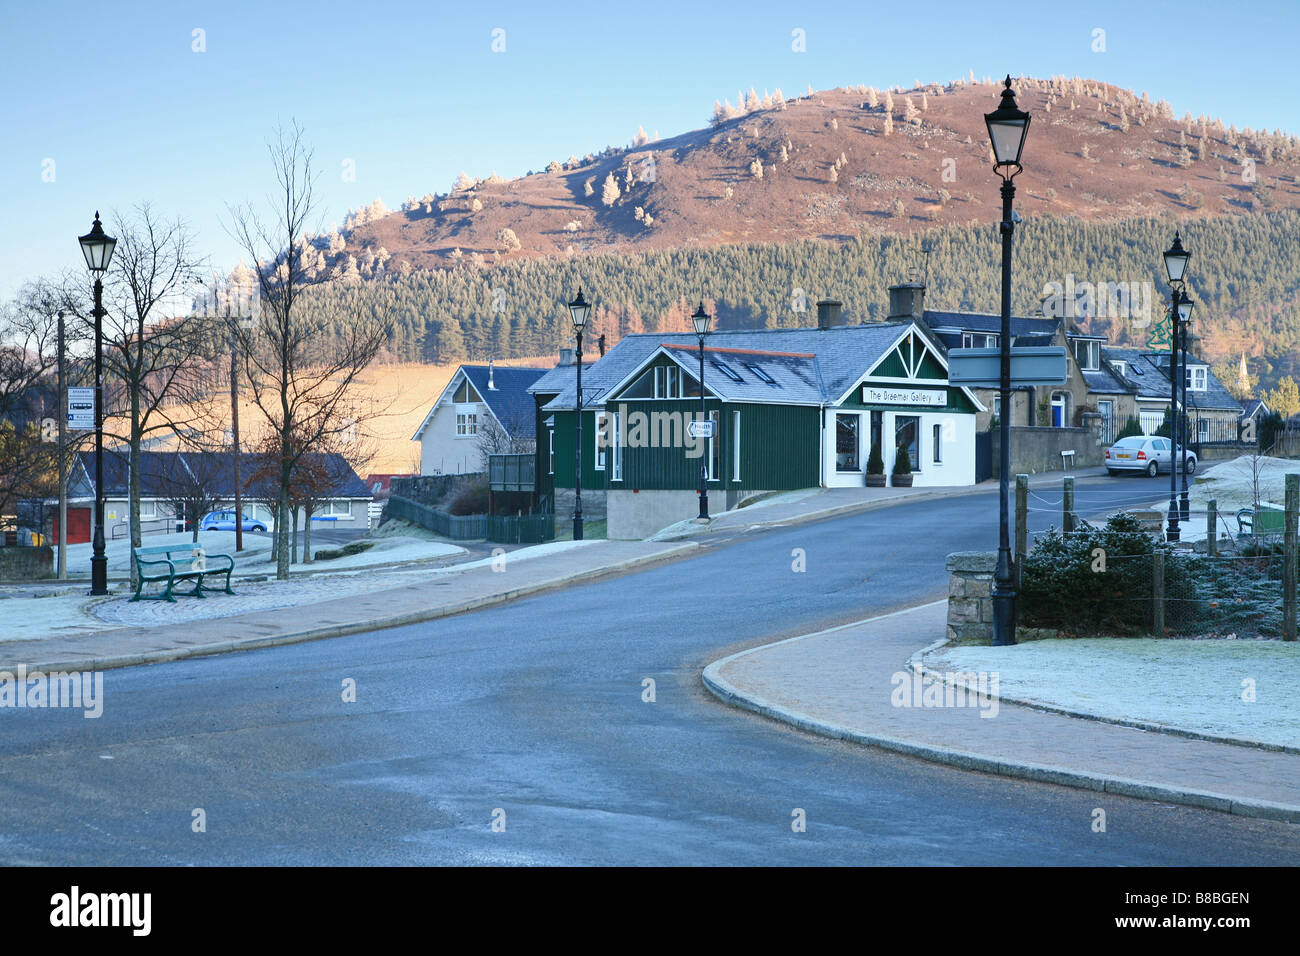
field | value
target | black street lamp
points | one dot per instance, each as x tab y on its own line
97	246
1008	126
579	309
702	320
1184	318
1176	270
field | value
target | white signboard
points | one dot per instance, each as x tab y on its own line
700	429
81	409
904	395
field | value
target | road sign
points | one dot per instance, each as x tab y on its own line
1030	365
81	409
700	429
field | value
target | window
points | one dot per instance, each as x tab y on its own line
616	449
846	442
760	374
978	340
466	424
907	431
735	446
466	393
550	461
337	506
1197	378
1203	429
715	448
600	438
938	444
148	508
1120	367
997	407
727	370
1088	355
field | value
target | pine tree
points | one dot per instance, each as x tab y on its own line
610	192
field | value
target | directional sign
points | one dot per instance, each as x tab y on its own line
81	409
700	429
1030	365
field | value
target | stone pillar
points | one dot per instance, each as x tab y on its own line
970	601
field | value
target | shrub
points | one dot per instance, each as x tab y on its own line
1131	428
1060	589
875	461
468	497
902	460
352	547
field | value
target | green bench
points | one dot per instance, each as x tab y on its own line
171	563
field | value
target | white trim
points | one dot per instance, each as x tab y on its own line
735	445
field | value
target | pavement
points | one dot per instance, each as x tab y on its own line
433	593
789	508
840	683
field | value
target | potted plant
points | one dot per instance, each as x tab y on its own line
902	477
875	468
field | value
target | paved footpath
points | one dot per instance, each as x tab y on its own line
432	594
839	683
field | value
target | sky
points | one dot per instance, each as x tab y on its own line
109	105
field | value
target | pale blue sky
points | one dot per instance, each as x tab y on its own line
413	93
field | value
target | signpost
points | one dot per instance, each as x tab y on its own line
81	409
1030	365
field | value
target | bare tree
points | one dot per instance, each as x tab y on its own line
506	435
154	356
193	484
302	363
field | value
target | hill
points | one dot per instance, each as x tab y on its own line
838	162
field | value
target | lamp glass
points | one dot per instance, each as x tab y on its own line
97	246
701	320
579	309
1176	260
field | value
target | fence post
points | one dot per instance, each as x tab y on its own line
1212	528
1158	593
1289	557
1022	518
1067	505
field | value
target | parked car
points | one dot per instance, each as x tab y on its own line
225	521
1149	453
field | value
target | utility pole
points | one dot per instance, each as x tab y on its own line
63	465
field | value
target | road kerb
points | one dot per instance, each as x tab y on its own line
964	760
352	627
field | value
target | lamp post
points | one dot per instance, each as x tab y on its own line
1175	269
243	321
579	310
1008	126
702	320
1184	318
97	246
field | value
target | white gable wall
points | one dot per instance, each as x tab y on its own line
442	451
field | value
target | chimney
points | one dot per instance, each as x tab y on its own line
566	357
828	313
601	343
907	299
492	385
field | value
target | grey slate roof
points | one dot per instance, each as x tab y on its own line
558	378
1152	379
842	355
509	400
167	473
1021	325
1252	406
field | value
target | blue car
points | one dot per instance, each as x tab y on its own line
225	521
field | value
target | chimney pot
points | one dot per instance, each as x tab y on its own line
828	313
566	356
907	300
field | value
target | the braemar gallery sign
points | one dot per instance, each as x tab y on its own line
883	395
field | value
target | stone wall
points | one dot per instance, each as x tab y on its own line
429	489
593	504
970	601
26	564
1036	450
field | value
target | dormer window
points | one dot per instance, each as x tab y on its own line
1088	355
1120	367
1198	378
978	340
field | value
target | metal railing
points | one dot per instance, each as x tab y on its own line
507	529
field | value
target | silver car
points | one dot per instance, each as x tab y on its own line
1149	453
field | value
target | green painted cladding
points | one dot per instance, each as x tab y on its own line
565	462
779	447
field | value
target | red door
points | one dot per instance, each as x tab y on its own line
78	527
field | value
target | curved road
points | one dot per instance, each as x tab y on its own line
535	708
